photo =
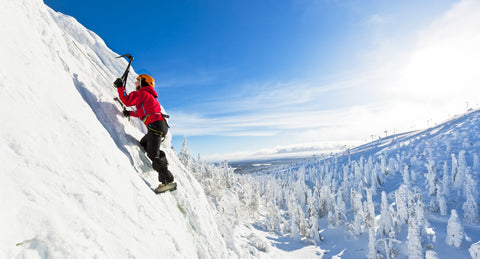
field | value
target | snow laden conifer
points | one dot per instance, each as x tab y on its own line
470	207
401	197
476	162
447	179
474	250
455	183
432	185
294	221
312	213
455	232
184	155
357	227
444	191
414	237
340	209
371	225
385	224
459	179
359	175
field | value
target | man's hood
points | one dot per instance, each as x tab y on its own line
149	90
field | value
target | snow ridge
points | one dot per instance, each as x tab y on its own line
75	184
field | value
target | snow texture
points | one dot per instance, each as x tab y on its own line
75	183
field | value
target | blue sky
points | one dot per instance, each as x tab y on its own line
263	79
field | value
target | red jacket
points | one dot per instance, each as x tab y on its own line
148	108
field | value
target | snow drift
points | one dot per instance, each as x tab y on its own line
74	182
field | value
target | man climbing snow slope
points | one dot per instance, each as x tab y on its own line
148	109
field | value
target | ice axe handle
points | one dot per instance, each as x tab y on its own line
125	74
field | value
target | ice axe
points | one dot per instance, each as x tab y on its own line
125	74
124	77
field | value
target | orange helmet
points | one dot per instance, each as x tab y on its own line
147	79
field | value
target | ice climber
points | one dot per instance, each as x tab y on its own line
148	109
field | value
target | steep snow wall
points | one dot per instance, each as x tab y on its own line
73	181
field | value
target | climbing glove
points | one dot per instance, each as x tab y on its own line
126	113
118	83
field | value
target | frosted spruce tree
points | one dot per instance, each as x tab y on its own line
454	172
444	191
370	223
185	157
386	229
470	207
401	197
432	186
462	170
356	228
385	224
455	231
414	240
312	213
447	180
476	162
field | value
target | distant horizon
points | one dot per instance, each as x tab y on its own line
351	149
243	79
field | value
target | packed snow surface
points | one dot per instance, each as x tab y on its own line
75	183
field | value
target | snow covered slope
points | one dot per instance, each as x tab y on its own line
411	195
73	181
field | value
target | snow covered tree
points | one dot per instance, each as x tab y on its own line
340	210
401	197
294	230
372	240
369	210
470	207
184	155
389	249
414	241
312	210
432	185
370	223
447	180
475	250
455	231
454	172
442	205
358	213
419	211
186	159
476	162
386	228
302	222
430	254
459	178
359	175
385	224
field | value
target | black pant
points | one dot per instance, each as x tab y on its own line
151	143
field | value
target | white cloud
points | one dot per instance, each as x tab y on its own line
439	78
279	152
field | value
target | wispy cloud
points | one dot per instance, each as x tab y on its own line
410	91
263	109
278	152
